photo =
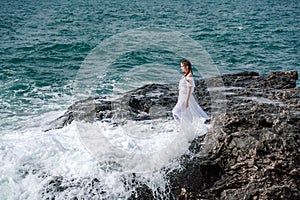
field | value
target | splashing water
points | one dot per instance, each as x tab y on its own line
39	165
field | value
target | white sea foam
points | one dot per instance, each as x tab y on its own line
32	160
262	100
137	146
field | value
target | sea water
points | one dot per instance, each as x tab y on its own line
44	48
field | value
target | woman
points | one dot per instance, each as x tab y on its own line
187	109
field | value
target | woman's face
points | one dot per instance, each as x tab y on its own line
183	68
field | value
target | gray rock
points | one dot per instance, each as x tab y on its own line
138	104
251	151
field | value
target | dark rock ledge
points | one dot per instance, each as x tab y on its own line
251	151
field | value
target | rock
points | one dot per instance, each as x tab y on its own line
149	102
141	192
144	103
276	80
251	151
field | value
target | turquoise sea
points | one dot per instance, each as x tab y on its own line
45	44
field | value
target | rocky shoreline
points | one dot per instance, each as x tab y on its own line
251	151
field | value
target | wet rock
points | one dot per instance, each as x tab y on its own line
59	187
149	102
252	150
141	192
157	100
276	80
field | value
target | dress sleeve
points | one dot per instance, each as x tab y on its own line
190	81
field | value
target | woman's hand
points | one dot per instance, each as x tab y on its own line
186	104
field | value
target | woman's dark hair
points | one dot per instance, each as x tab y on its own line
187	64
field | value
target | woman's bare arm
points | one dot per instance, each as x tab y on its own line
187	98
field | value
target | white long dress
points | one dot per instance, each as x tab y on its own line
193	112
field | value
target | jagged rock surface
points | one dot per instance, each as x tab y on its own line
252	149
